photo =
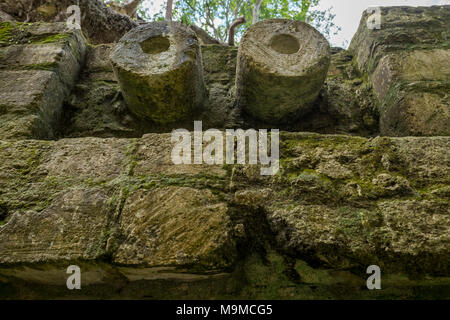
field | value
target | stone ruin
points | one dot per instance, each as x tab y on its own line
86	176
159	68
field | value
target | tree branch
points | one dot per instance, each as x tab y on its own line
255	11
231	33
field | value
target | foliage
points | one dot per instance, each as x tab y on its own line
216	16
144	9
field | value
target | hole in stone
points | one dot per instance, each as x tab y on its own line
285	44
155	45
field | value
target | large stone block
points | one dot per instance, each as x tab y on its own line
33	173
420	108
282	65
402	29
159	68
410	66
73	158
71	228
97	59
396	235
175	226
31	101
406	61
413	88
99	23
39	64
154	157
351	201
219	65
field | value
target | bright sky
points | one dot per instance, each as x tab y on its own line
348	13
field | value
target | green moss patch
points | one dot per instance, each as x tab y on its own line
50	38
5	33
19	33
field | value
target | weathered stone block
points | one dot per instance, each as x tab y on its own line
175	226
352	201
154	157
402	28
420	108
417	65
39	65
33	173
282	65
71	228
219	63
412	86
35	98
97	58
159	68
391	235
73	158
50	57
406	61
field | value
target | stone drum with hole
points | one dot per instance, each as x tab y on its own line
159	68
282	65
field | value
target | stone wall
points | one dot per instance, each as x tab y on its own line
406	61
39	66
84	181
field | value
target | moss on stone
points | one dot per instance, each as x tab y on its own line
19	33
42	66
50	38
5	33
160	109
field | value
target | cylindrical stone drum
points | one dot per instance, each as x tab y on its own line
159	68
282	65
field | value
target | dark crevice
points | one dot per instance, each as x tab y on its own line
3	212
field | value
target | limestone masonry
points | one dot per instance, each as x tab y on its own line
86	175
